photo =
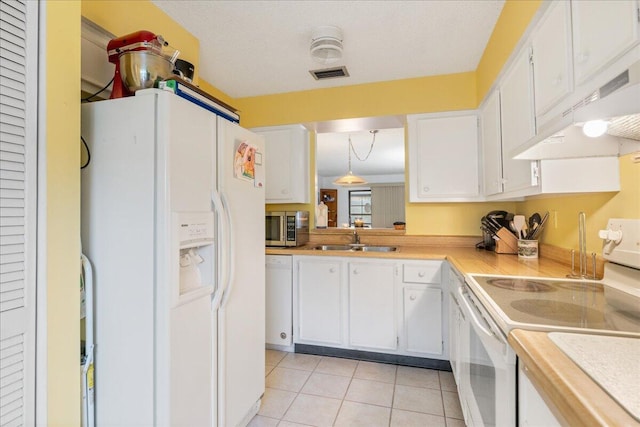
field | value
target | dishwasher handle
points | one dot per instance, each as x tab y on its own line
473	314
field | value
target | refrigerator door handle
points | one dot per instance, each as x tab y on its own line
230	254
224	230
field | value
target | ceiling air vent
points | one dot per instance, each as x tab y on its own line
329	73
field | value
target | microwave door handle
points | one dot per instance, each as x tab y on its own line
472	314
283	229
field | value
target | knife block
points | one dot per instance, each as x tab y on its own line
508	243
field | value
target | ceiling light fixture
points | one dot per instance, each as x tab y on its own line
326	44
595	128
350	178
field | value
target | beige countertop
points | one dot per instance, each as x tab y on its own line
571	393
464	259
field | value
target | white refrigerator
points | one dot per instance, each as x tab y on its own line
173	221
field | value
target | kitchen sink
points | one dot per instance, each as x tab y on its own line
332	248
379	249
354	248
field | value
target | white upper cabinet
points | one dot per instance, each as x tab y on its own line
517	122
443	157
552	65
602	31
287	170
491	145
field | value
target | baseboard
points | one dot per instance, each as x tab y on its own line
369	356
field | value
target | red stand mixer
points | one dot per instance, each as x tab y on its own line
138	41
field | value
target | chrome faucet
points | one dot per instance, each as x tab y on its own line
356	237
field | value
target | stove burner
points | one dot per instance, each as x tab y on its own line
523	285
580	286
561	313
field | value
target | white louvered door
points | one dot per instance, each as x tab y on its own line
18	147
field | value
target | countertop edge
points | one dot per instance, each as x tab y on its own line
569	392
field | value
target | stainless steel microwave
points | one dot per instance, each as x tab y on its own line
287	228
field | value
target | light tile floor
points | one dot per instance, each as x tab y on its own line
307	390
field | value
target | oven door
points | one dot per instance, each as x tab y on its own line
488	389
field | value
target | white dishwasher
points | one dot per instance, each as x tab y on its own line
279	299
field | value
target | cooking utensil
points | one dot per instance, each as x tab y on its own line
534	219
140	41
524	231
141	69
538	229
490	226
519	223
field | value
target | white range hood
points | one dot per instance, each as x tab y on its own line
617	102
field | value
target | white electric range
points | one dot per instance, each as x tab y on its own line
609	306
492	305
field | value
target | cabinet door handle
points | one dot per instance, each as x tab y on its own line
412	297
355	271
332	270
421	274
426	189
582	57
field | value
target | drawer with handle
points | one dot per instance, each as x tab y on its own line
423	272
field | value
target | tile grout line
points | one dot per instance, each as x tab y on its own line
351	378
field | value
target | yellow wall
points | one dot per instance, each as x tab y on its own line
427	94
419	95
61	195
514	20
598	208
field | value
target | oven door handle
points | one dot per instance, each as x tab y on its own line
473	315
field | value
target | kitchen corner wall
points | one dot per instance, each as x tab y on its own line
420	95
562	227
59	211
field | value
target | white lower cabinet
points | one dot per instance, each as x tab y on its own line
422	310
379	305
532	409
372	319
319	301
424	315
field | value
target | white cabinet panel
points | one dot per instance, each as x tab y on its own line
422	308
422	313
287	171
552	65
518	125
320	300
532	409
422	272
491	145
371	305
602	31
443	157
279	300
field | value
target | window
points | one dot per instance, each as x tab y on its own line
360	206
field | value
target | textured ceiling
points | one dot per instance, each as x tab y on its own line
250	48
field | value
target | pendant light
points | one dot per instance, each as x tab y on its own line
350	179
